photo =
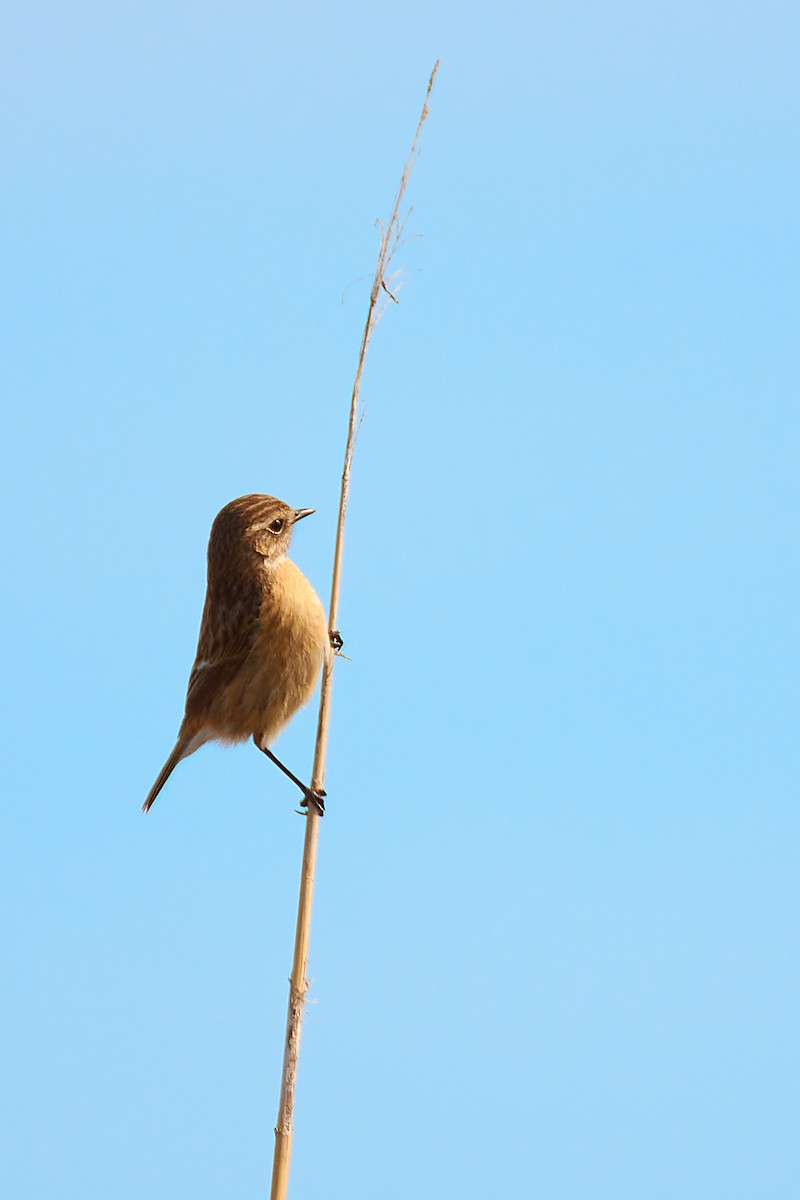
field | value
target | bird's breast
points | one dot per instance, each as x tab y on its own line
289	648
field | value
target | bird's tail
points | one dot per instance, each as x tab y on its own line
180	751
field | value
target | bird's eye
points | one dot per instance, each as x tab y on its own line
275	526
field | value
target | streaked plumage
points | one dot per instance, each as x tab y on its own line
263	635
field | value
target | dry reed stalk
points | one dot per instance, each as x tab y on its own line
298	984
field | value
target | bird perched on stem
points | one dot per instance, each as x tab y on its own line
263	637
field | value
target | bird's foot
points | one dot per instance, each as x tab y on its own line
314	798
337	641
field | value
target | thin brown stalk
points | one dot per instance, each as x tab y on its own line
298	983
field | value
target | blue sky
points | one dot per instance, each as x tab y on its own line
554	944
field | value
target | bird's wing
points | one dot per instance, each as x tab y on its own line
227	632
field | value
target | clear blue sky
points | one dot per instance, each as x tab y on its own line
554	951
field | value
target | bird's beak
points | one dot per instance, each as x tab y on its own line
299	513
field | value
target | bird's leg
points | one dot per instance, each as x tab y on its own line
309	795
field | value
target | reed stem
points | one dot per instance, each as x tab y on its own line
298	983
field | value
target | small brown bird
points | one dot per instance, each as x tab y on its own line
263	637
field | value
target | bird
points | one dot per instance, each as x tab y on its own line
263	638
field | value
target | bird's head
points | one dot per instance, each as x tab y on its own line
261	524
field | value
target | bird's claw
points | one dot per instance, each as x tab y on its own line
316	799
337	641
